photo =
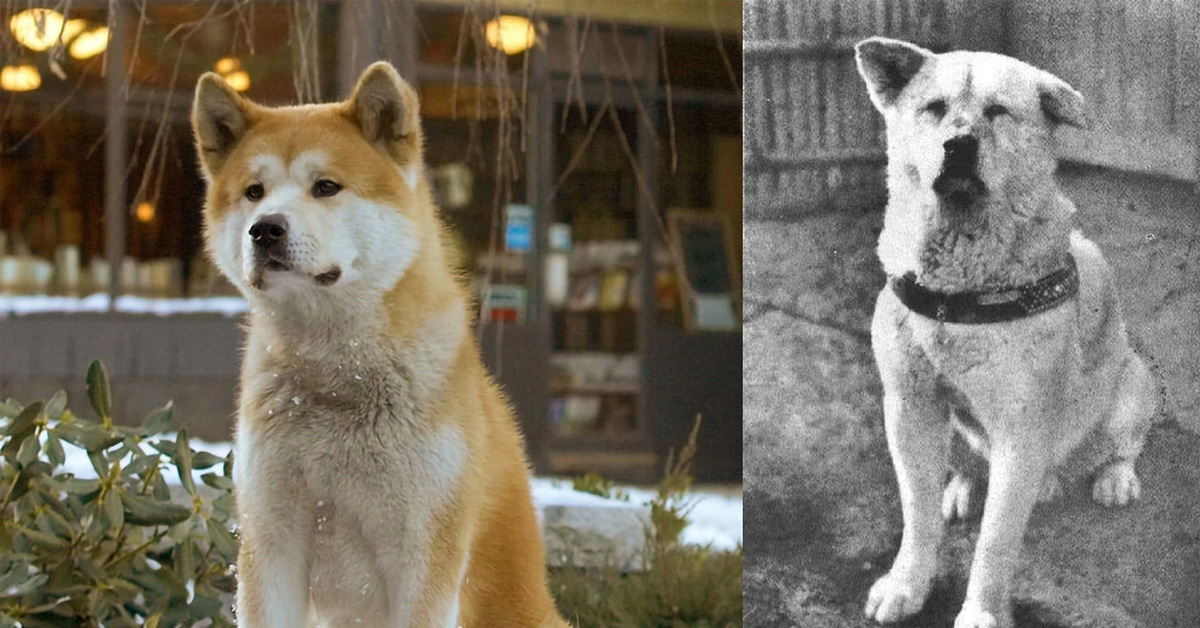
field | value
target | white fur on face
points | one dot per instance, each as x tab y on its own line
371	243
1011	144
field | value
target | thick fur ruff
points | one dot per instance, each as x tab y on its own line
974	206
381	479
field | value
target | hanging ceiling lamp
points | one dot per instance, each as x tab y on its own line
89	43
20	78
511	33
231	70
38	29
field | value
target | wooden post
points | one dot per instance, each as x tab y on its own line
116	205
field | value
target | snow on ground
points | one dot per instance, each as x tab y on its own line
129	304
715	520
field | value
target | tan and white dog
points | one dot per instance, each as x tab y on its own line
381	479
999	320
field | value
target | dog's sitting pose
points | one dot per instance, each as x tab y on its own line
381	479
998	319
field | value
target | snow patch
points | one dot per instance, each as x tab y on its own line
128	304
714	520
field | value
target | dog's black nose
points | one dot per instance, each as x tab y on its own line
268	230
962	151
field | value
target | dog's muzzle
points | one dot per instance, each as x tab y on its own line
270	238
269	235
959	183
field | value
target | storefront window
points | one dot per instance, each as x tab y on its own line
592	274
52	181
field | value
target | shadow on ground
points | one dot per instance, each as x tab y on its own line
822	516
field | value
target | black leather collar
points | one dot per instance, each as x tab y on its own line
991	306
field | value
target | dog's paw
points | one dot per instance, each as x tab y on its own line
1117	484
1051	488
956	498
893	598
973	615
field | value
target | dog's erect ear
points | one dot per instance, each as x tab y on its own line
887	65
220	117
386	110
1061	103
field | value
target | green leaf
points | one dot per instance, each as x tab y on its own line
187	556
88	436
72	485
113	510
38	469
55	520
204	460
147	511
223	507
28	451
28	585
19	487
222	540
98	391
54	450
42	608
99	464
48	541
124	588
93	523
24	422
158	421
205	607
217	481
160	490
56	405
183	462
141	465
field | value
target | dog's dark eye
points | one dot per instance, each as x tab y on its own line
255	191
937	108
995	110
324	187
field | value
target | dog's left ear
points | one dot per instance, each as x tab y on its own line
1061	103
887	66
386	110
220	118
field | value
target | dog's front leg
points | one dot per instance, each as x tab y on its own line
423	574
1018	463
918	434
276	529
272	578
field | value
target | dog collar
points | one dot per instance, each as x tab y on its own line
994	306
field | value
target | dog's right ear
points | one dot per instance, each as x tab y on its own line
386	109
887	65
220	117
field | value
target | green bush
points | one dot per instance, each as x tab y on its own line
115	551
681	586
119	552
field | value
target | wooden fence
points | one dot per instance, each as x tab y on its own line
813	141
812	138
1137	63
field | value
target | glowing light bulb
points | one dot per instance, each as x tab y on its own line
89	43
20	78
511	33
37	29
227	65
239	81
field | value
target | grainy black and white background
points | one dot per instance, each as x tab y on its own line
822	517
